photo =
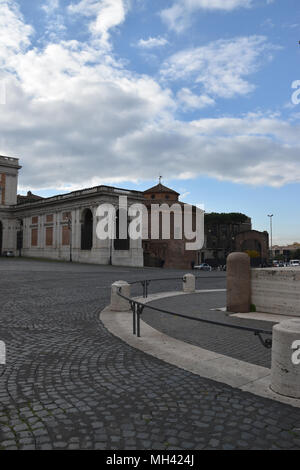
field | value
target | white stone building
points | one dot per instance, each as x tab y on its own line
61	227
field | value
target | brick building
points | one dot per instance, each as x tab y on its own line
170	253
226	233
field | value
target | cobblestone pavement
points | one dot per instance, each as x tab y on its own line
69	384
230	342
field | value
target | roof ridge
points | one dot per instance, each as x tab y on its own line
160	188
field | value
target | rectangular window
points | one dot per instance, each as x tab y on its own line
34	220
49	236
49	218
34	237
67	215
2	188
65	235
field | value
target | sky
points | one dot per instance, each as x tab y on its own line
205	93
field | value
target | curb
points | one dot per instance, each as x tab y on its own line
208	364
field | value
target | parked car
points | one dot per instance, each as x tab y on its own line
203	267
8	254
294	263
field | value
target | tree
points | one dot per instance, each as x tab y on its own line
295	254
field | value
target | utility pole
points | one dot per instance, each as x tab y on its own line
271	233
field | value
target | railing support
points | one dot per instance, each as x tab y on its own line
120	304
285	369
189	283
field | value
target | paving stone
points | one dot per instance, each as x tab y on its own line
69	384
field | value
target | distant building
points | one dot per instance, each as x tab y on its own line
286	252
227	233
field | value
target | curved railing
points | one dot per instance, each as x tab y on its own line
138	308
146	282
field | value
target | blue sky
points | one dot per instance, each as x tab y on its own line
122	91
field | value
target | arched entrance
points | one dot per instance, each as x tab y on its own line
1	236
255	243
87	230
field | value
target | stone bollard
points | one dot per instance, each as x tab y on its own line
117	303
285	372
189	283
238	283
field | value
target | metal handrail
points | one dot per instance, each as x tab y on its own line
146	282
138	308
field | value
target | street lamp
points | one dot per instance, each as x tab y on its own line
271	232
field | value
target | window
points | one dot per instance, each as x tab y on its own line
49	236
65	235
34	220
67	215
49	218
34	237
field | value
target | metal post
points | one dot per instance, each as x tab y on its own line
133	307
271	234
138	323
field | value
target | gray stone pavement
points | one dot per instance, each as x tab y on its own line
229	342
69	384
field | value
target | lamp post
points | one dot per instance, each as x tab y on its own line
70	235
271	233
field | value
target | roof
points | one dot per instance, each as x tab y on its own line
82	193
160	188
29	198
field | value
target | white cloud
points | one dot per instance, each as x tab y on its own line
152	42
50	6
55	28
189	100
108	14
178	16
14	34
227	5
76	117
221	67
